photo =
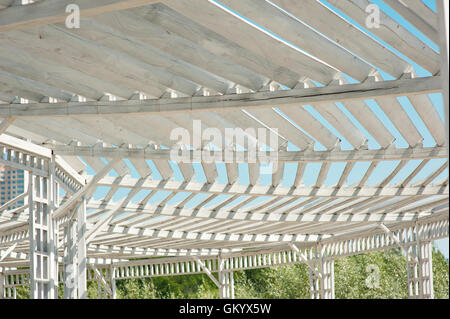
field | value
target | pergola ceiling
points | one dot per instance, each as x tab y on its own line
114	89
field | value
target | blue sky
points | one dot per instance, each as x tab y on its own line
313	168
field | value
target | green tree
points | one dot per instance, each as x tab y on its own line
291	281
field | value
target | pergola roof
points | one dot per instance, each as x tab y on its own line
113	90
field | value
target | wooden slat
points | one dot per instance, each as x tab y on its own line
334	27
370	122
425	108
342	124
30	89
236	29
274	120
394	33
52	11
297	33
312	126
164	168
140	25
416	20
393	109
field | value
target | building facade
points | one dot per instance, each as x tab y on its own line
12	183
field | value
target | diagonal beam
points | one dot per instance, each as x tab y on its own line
102	279
281	190
54	11
7	252
5	124
304	259
398	242
13	201
390	154
83	191
207	271
110	215
285	98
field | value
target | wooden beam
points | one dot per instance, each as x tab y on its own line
83	191
243	156
347	216
5	124
285	98
207	271
54	11
442	7
268	190
5	254
227	237
397	240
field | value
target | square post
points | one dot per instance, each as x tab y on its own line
2	285
43	255
70	262
321	275
420	269
81	250
226	280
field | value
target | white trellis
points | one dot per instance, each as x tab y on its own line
94	124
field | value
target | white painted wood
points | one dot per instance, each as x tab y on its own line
190	47
419	21
274	120
60	211
442	10
297	33
329	23
51	11
393	33
291	98
234	28
393	109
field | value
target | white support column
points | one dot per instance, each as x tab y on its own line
2	285
81	250
321	276
222	289
420	269
43	257
75	265
231	275
327	287
113	283
70	261
314	278
226	280
52	204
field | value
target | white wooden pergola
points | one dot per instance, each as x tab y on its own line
92	109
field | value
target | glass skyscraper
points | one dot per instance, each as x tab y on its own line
12	183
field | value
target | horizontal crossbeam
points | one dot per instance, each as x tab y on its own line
285	98
390	154
238	189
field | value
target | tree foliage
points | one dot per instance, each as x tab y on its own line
292	281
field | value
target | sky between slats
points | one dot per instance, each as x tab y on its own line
312	170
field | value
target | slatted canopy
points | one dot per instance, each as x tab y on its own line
355	110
